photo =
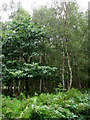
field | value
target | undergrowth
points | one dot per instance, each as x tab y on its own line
72	104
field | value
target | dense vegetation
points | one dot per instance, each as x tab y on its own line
40	52
72	104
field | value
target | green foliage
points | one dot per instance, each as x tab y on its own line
65	25
20	40
29	71
60	88
72	104
32	46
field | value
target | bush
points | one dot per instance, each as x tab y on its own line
72	104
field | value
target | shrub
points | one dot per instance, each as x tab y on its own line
72	104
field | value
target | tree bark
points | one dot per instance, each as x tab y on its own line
11	90
27	88
40	82
70	69
63	71
66	40
67	79
40	87
19	86
14	87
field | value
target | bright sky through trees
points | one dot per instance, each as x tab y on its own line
30	4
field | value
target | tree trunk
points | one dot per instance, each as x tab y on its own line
19	87
80	84
11	90
40	88
27	88
44	85
70	69
67	80
63	81
40	82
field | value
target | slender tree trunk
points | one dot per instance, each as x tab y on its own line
14	87
40	59
34	86
11	90
63	71
40	87
44	87
40	83
8	89
46	61
27	88
70	69
80	84
65	17
67	80
19	87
